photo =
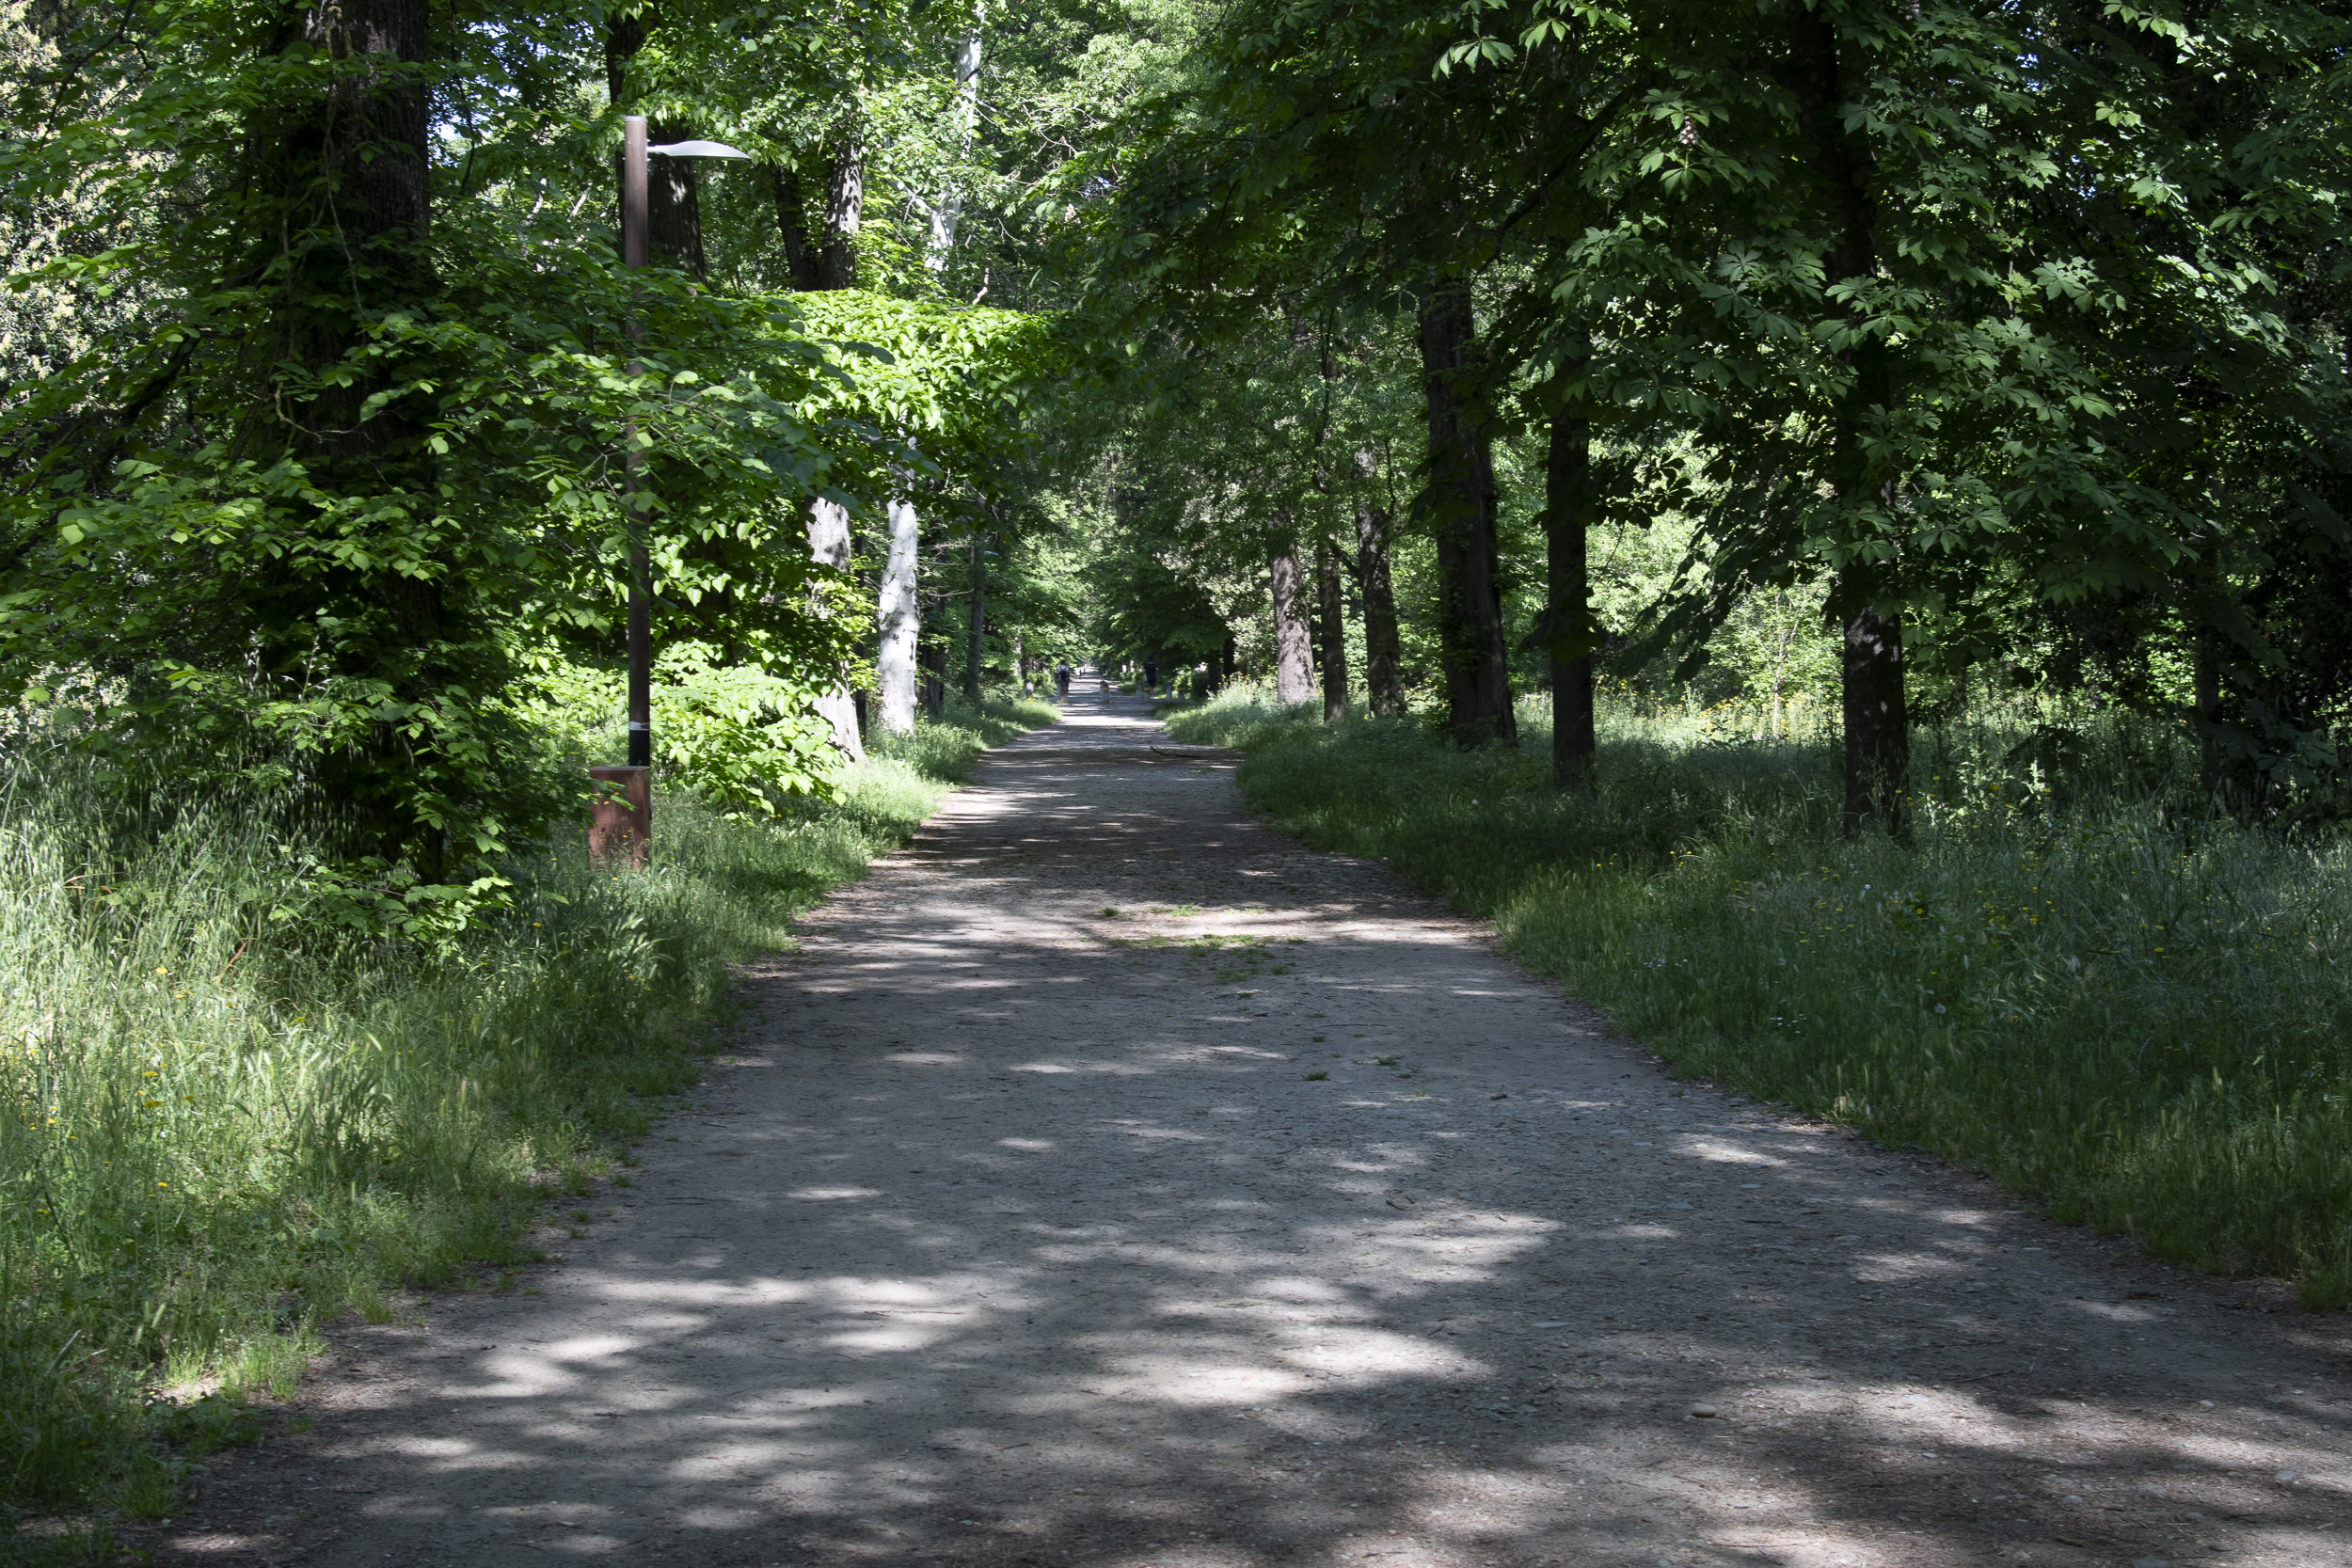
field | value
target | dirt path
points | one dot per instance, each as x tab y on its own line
1274	1220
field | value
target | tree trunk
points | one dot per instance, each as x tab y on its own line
1331	624
1569	613
2205	681
828	260
673	214
829	542
378	150
800	246
1384	657
1458	508
357	167
950	208
1878	728
623	34
1293	656
902	620
348	174
976	627
934	662
674	210
844	201
1833	76
824	257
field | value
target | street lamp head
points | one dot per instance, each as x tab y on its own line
698	149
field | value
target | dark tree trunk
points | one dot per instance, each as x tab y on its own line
1332	626
845	203
932	659
976	628
372	138
673	214
1293	656
349	169
1568	613
357	214
673	208
1831	75
1458	508
1384	657
2205	678
623	34
800	246
1878	727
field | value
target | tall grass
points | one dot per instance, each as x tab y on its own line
2074	978
219	1126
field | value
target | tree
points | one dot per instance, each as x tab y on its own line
341	469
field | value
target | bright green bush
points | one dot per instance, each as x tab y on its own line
742	737
221	1122
2073	979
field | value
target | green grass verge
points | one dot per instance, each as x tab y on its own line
2140	1017
222	1129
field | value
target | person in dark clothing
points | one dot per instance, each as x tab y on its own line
1151	677
1061	680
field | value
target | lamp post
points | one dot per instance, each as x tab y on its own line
623	819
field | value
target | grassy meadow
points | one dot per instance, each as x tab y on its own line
2074	978
223	1128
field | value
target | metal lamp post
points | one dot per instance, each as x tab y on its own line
623	821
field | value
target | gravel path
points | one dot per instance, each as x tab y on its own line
1109	1182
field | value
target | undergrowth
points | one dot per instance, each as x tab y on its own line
2076	977
223	1126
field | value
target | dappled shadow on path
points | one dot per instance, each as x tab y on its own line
1110	1182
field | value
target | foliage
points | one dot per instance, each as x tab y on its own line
218	1126
1880	303
745	739
322	386
942	396
329	464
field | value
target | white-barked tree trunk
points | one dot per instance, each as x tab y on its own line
902	620
949	209
829	542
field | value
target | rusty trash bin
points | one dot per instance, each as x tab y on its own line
620	823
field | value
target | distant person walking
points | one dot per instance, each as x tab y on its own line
1151	677
1061	680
